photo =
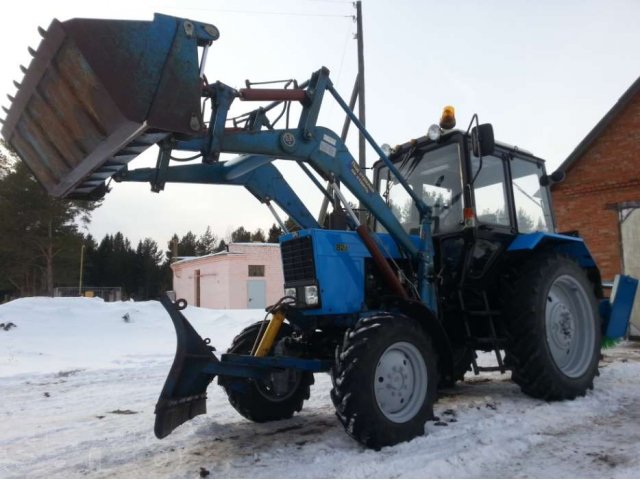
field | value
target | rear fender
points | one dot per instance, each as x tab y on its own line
573	247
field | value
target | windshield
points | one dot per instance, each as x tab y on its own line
436	175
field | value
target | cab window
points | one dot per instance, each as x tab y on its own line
489	190
436	175
533	212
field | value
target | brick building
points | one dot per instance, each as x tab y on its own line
247	275
600	196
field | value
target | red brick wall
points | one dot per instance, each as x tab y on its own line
608	173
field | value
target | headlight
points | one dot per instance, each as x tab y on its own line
311	295
434	132
290	292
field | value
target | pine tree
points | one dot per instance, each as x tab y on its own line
172	246
206	244
222	246
258	236
291	225
148	273
240	235
187	245
49	245
88	267
275	232
5	158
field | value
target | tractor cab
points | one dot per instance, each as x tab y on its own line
505	189
482	194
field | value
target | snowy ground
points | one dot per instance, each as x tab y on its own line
78	386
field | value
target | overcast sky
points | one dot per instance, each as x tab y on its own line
542	72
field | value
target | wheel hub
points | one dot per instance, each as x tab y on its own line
400	382
280	385
569	326
562	325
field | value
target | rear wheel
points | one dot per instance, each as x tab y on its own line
554	328
278	396
384	380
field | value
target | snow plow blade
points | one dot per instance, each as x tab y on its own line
98	93
184	394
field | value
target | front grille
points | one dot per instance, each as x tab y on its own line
297	260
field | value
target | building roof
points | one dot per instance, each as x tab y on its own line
611	115
183	260
256	244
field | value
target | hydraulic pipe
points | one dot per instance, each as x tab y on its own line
381	262
376	255
273	94
270	335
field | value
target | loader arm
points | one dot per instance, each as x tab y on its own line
329	156
256	173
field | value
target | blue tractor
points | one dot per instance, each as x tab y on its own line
454	251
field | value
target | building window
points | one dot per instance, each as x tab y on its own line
256	270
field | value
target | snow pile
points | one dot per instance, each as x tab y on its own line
54	334
80	378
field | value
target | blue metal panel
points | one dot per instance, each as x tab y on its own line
339	258
617	315
571	246
247	366
305	364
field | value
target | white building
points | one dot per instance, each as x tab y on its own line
248	275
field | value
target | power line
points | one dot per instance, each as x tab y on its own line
291	14
253	12
344	2
339	73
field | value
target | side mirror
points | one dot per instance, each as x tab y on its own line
556	177
482	140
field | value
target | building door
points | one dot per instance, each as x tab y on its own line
256	294
630	233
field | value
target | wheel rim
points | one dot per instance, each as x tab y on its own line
569	326
268	390
400	382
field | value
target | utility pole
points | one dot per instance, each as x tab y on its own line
362	161
356	94
81	270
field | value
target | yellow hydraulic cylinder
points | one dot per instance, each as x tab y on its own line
270	334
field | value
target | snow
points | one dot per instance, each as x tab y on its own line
79	385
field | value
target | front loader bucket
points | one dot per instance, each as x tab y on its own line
99	92
184	394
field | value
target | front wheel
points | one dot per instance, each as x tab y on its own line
554	328
384	380
276	397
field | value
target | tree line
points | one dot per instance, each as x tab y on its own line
42	244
